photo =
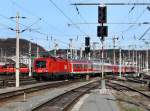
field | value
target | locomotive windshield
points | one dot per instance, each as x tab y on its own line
41	64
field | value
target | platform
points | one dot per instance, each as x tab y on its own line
97	100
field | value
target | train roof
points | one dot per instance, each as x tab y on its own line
51	57
80	61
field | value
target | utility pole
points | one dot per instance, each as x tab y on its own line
94	49
17	46
1	54
147	63
136	59
129	57
114	45
138	62
30	72
70	46
141	61
103	84
75	48
37	51
133	64
17	49
55	48
120	63
147	55
81	53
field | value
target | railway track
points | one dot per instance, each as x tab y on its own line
39	94
137	97
30	89
138	80
128	88
65	101
10	82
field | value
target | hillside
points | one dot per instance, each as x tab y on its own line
8	47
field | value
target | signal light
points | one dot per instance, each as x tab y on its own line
87	41
102	14
102	31
87	50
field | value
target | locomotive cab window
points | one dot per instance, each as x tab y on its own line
41	64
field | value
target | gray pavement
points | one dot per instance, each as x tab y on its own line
97	101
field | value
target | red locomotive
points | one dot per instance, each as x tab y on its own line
1	69
52	67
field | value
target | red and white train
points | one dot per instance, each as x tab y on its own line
9	69
52	67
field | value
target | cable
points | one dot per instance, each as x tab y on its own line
48	24
28	28
68	18
132	8
80	15
144	33
32	30
131	26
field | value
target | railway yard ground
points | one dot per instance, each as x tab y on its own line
130	94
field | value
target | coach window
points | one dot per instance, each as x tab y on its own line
76	66
91	66
80	66
40	64
85	66
73	66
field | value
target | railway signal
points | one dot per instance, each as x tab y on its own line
87	50
102	14
102	31
87	41
87	45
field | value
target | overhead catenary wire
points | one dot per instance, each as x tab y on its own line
35	15
39	18
67	17
80	15
112	4
144	33
114	23
26	27
132	25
